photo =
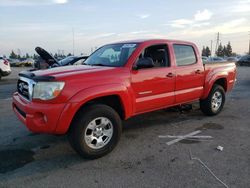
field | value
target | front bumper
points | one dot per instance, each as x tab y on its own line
5	73
39	117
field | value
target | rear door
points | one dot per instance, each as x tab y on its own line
154	87
189	73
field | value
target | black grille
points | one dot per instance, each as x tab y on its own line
23	88
20	111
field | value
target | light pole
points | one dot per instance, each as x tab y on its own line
249	43
73	41
211	48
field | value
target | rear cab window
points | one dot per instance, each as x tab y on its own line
184	54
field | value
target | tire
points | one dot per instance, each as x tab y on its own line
95	131
215	101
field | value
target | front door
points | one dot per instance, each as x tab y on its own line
153	87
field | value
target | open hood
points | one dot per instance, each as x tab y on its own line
46	56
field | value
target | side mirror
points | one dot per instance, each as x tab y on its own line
145	62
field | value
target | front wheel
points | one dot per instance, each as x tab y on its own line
215	101
95	131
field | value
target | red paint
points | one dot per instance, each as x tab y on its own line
139	91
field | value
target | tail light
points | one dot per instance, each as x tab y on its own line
6	62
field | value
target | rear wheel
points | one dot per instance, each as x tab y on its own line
95	131
214	103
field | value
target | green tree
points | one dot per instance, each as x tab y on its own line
27	56
224	51
234	54
203	53
219	51
13	55
208	51
229	50
55	56
69	54
35	56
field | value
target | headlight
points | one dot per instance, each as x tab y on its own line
47	90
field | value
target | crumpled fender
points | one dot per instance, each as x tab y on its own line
85	95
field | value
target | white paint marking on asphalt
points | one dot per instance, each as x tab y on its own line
183	137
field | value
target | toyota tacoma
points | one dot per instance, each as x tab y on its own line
120	80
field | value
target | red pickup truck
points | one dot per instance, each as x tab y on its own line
116	82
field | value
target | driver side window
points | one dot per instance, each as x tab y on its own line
158	54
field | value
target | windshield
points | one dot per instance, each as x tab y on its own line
113	55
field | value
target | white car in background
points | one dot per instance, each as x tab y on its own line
4	67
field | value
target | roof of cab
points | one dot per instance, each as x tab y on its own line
153	41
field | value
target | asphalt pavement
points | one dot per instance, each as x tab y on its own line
142	158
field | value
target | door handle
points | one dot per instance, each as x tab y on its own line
170	75
198	71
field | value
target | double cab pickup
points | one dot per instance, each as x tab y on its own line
120	80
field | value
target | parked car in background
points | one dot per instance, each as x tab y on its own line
46	60
204	58
14	62
4	67
244	61
71	60
215	59
23	62
28	62
232	59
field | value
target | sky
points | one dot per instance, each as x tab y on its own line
55	24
